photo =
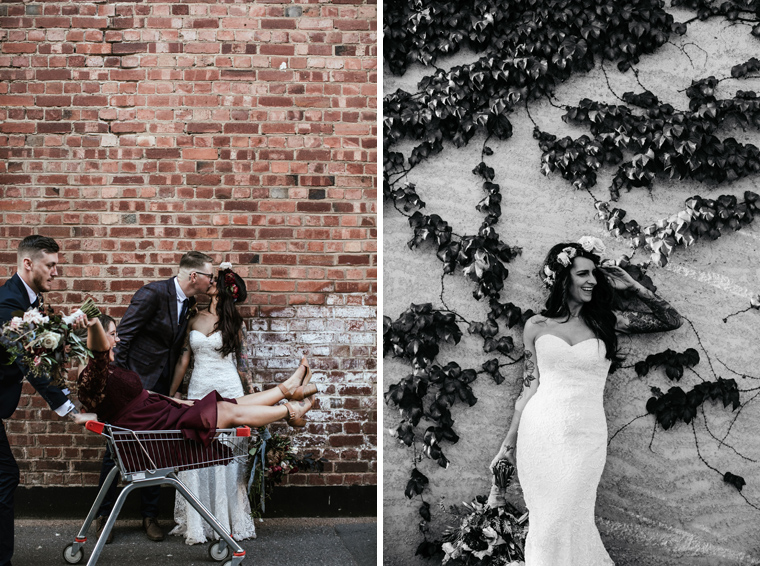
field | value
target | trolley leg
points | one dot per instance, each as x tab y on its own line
82	535
111	520
238	552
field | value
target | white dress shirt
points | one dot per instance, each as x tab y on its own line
181	297
32	294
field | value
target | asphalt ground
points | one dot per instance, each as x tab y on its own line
280	542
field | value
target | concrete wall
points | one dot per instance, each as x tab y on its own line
658	506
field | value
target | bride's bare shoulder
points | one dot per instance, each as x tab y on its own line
533	326
537	320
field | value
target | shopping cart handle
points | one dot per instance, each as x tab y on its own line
95	426
243	431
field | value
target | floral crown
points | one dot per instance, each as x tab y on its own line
564	259
230	285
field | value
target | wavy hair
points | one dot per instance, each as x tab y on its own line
598	313
230	289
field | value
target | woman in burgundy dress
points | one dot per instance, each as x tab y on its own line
118	397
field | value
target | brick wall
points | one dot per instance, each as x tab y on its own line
132	132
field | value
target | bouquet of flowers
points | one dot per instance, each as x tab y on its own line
488	535
45	341
276	459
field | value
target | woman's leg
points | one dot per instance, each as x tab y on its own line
273	395
230	414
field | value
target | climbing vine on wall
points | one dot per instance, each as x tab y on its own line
526	49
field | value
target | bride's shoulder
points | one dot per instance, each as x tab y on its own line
537	320
534	324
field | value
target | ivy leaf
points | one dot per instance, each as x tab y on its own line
425	511
641	368
736	481
416	483
427	549
491	367
405	433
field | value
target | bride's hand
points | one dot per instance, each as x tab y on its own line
82	418
508	454
618	278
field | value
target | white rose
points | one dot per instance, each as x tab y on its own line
16	323
563	258
225	265
592	245
33	316
49	340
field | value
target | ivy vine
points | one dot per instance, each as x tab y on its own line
526	49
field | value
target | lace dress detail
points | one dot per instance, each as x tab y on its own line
561	452
221	489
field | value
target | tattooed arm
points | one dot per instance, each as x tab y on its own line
530	382
661	318
245	364
181	368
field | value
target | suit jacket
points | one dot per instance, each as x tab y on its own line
13	297
149	334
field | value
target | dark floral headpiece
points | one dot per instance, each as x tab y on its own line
230	285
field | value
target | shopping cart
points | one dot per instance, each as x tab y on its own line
154	457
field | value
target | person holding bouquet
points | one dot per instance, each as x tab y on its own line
37	262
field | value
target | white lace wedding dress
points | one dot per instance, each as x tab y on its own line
561	451
221	489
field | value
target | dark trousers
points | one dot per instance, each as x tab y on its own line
149	495
9	478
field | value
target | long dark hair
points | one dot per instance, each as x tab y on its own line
597	313
230	289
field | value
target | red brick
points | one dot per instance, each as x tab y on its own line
135	145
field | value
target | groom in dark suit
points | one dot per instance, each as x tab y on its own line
37	261
151	335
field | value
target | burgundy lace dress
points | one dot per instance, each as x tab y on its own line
118	397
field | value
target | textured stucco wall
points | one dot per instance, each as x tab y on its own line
654	507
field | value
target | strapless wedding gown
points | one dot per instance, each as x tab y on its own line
221	489
561	451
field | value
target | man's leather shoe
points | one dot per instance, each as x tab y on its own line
153	529
100	523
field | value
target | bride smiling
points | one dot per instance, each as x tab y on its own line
216	338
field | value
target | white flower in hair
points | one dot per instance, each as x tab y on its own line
564	258
570	251
592	245
225	265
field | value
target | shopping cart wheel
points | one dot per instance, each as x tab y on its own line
219	551
73	557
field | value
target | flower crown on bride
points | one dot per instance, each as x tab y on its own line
586	246
230	285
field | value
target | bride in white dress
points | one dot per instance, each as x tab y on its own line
561	447
216	339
